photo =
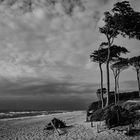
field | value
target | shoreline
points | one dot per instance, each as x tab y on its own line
35	116
30	116
32	128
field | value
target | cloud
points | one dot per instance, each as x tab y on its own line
41	87
44	103
36	42
48	44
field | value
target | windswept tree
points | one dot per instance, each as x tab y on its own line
115	52
117	68
110	31
100	56
123	20
130	28
129	19
135	62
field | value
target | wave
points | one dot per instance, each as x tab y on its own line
19	114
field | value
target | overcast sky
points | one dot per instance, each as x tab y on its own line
44	55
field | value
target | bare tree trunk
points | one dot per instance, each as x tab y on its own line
115	94
118	91
138	81
108	85
102	98
108	77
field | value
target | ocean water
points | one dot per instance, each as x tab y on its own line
18	114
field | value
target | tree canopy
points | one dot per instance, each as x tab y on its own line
127	20
135	62
102	54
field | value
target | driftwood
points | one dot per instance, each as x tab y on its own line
55	128
55	125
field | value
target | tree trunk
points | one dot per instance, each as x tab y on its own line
118	91
115	94
102	98
107	71
108	85
138	81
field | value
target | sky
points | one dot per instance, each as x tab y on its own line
44	55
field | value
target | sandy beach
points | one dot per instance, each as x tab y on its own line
31	128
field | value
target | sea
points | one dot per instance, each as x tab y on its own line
20	114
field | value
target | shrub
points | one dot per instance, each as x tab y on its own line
116	116
95	106
131	105
97	115
92	108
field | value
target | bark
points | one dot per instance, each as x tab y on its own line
115	94
138	78
102	98
108	85
118	91
107	71
115	78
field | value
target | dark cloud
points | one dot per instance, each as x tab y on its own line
45	103
46	88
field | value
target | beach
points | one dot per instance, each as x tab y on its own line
32	128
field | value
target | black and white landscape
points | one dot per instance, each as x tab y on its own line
70	59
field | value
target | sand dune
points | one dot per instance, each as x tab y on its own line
31	128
